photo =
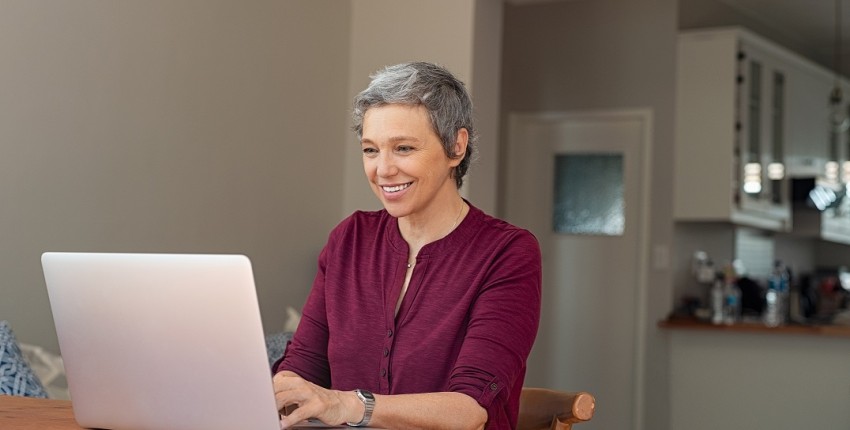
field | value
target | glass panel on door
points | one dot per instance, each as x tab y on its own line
589	194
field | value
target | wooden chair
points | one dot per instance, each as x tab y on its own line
542	409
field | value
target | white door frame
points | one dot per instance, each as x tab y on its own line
645	117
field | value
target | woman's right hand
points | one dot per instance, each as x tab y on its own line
331	407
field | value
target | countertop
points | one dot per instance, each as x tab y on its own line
753	327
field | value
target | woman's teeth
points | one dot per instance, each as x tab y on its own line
396	188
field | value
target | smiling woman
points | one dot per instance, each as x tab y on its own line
422	315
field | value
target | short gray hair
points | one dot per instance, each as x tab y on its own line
431	86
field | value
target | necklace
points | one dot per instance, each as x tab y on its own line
457	218
410	264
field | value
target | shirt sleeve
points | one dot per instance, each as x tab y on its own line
307	353
502	327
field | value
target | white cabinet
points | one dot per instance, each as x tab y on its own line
751	115
832	225
811	144
731	128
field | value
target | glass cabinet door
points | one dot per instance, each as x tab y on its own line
760	185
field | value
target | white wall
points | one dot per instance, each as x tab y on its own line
169	126
607	54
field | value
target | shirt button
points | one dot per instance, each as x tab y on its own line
494	386
386	352
389	333
383	372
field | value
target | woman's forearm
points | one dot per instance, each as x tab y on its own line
428	411
445	410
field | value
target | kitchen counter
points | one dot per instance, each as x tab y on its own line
757	377
752	327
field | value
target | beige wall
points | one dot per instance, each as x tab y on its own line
221	126
169	126
597	55
463	36
206	126
483	184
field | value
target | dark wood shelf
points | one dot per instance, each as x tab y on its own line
751	327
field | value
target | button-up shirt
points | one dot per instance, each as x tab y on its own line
466	323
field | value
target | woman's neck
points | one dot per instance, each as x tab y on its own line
421	230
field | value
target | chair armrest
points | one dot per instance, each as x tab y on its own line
542	408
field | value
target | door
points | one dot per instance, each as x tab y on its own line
594	267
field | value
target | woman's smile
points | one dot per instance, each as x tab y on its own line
395	188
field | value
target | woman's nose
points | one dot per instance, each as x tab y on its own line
386	165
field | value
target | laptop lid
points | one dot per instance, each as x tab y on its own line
161	341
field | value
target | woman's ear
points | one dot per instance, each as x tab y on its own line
461	142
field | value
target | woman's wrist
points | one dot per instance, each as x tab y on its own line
366	404
354	407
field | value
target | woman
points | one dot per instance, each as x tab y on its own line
422	315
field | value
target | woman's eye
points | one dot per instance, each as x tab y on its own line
404	149
369	151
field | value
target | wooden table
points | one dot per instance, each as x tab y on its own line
26	413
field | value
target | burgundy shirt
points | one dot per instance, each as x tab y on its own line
466	323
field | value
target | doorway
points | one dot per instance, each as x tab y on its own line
580	182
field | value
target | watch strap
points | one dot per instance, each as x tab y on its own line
368	400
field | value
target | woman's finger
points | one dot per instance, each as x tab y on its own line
283	401
296	416
289	389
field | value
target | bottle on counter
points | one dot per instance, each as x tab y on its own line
776	297
731	298
717	300
771	307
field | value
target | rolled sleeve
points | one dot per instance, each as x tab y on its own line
489	392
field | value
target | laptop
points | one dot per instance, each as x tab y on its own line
161	341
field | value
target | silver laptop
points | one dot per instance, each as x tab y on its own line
158	341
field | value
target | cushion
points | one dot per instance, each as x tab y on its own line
276	342
48	368
276	345
16	376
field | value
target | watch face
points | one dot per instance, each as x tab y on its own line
366	394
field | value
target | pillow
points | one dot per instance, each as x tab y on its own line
293	318
276	345
16	377
276	342
48	368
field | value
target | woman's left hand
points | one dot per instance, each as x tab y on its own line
329	406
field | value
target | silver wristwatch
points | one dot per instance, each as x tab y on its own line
368	400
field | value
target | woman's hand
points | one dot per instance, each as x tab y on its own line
329	406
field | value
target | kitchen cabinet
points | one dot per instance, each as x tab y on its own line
832	224
810	144
835	223
731	128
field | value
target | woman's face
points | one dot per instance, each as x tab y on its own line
405	162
